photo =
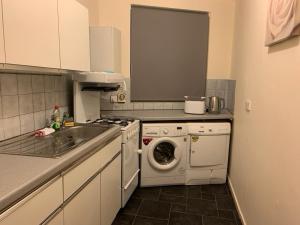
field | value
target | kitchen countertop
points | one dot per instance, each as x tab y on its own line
20	175
165	115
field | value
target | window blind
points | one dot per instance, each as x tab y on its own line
169	50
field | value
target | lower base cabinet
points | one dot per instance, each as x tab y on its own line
35	208
110	191
84	208
96	201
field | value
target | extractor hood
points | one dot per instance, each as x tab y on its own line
99	77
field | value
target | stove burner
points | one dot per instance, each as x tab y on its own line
117	121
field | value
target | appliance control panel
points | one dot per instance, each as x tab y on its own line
164	130
209	128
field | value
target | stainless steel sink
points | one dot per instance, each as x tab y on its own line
51	146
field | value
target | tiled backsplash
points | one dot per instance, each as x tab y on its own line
222	88
26	101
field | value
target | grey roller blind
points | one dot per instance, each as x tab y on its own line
169	51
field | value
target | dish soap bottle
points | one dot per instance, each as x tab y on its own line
56	118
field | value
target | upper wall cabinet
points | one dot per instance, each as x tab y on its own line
2	53
74	35
31	33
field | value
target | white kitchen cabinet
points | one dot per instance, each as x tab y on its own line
31	32
110	191
36	207
74	35
78	175
105	49
2	52
84	208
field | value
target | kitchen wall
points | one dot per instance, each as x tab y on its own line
93	7
266	152
117	13
222	88
26	101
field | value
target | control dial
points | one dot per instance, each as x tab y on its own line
165	131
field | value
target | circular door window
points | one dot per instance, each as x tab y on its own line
164	155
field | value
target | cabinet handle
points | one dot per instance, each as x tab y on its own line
51	217
132	178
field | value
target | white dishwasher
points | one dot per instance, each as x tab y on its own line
208	153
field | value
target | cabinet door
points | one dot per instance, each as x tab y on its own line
36	207
74	35
84	208
2	53
31	32
110	191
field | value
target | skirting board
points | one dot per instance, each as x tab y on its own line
236	202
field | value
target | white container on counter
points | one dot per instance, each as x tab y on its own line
194	105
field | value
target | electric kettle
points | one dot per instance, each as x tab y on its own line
215	104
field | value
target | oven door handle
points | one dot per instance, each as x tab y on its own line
132	178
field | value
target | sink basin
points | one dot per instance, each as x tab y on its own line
51	146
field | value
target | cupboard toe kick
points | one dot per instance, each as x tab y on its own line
93	196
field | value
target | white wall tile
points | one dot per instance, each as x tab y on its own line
58	85
10	106
117	106
39	102
38	83
221	84
138	106
178	105
148	105
25	104
168	105
27	123
9	84
11	127
39	120
48	114
23	101
128	106
24	84
49	83
50	100
158	105
220	93
210	93
211	84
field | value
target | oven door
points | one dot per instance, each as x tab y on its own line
130	167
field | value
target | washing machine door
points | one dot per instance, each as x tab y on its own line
164	154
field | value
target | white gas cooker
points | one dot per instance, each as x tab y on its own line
130	154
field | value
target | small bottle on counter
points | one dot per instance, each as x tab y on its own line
56	122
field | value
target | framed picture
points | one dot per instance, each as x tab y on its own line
283	21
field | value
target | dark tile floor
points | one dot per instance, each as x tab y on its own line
180	205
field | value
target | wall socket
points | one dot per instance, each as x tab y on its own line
114	99
119	98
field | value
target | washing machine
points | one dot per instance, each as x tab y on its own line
164	150
208	153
